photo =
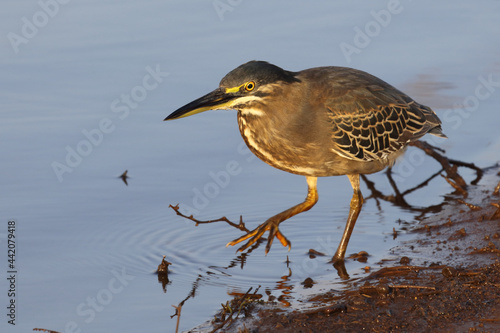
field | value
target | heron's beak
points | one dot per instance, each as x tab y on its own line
218	99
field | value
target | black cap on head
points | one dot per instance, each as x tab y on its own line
261	72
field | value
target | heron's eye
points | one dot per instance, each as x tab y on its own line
249	86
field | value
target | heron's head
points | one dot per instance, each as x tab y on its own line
244	87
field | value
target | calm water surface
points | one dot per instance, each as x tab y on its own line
84	91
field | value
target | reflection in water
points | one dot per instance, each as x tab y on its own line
285	287
449	166
429	90
178	308
163	274
238	261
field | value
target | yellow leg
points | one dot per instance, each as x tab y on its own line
272	224
356	204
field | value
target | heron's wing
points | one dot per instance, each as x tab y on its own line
371	120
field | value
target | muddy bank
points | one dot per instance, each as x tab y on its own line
446	279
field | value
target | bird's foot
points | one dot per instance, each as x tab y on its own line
341	270
339	265
256	234
337	259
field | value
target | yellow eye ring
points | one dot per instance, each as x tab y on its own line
249	86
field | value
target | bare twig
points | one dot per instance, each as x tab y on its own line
234	308
240	226
179	307
471	206
178	313
458	188
497	189
435	148
452	177
496	213
399	271
398	198
404	286
376	194
451	171
479	171
491	320
400	201
422	184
